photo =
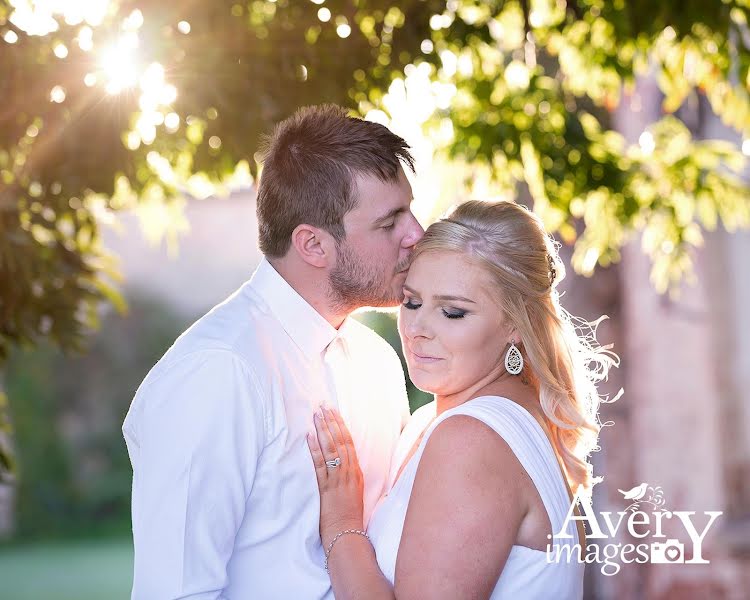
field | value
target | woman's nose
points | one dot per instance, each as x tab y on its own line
417	326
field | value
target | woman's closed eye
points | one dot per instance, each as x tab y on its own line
450	313
410	304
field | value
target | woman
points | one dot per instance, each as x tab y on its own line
483	475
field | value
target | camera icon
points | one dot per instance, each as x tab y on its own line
671	551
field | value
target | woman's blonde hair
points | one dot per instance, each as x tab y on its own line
563	359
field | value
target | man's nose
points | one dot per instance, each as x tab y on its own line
416	231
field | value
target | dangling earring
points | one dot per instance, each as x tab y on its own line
513	360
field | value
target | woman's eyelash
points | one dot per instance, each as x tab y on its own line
456	315
450	315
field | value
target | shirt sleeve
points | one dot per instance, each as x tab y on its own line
194	449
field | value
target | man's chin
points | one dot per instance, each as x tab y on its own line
392	299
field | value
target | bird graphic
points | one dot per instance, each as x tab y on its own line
636	493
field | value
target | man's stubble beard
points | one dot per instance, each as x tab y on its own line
353	284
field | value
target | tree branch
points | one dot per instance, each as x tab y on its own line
572	6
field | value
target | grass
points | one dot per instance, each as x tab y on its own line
72	570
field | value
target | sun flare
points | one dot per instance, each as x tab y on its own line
119	64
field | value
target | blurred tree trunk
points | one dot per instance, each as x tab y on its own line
7	473
673	396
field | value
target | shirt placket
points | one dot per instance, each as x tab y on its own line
338	376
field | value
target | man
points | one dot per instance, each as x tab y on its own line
225	499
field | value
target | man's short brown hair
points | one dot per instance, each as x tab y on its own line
310	163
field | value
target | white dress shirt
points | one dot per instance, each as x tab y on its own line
225	500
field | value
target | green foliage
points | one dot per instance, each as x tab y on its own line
73	474
534	82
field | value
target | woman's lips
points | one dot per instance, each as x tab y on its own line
418	358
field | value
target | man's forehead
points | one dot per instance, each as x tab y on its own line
377	198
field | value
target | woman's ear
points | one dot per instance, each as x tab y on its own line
313	245
512	335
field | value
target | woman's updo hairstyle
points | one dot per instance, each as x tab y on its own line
563	361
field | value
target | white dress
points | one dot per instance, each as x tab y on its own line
527	573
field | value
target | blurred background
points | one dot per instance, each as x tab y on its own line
129	133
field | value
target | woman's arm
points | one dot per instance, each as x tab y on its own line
469	498
352	565
468	501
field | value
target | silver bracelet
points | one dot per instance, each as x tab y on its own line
337	536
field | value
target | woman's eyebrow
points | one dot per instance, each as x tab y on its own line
453	298
442	296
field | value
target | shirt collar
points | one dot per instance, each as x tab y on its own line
305	325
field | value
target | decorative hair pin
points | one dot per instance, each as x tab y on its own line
552	270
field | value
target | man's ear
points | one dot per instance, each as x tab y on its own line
315	246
